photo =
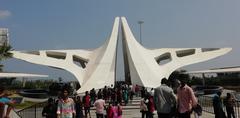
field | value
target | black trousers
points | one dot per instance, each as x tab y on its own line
230	112
100	115
185	115
144	113
164	115
149	114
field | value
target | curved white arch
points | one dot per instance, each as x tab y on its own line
93	69
143	64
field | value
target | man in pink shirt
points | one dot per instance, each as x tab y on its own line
100	106
186	99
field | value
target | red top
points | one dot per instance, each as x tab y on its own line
86	101
151	104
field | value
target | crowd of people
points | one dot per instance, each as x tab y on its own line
167	103
108	102
229	103
182	103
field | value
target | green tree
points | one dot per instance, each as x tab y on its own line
5	53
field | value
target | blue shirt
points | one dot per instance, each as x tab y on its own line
4	100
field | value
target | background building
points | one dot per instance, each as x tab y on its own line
4	36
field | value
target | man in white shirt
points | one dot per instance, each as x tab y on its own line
100	106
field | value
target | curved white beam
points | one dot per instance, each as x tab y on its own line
10	75
93	69
143	64
216	70
60	63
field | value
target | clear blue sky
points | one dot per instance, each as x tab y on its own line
83	24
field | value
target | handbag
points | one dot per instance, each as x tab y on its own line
198	109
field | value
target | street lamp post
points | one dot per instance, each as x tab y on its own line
140	24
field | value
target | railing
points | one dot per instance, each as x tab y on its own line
34	111
207	105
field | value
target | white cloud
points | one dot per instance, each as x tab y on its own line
4	14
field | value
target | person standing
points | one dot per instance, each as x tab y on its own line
119	111
143	92
229	103
99	93
66	105
49	111
119	95
218	106
114	96
4	100
131	93
125	96
79	107
86	104
143	107
109	94
186	99
137	90
110	111
150	105
93	96
100	106
164	99
105	93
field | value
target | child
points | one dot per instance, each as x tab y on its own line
110	111
3	101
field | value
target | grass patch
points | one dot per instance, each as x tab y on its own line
23	105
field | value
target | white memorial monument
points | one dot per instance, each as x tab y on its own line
97	68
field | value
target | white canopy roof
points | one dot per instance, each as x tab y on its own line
8	75
220	70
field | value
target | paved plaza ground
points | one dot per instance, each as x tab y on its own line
132	110
135	113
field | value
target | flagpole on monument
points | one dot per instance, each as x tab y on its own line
140	24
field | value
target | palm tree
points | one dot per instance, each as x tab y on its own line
5	53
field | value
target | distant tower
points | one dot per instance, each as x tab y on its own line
4	36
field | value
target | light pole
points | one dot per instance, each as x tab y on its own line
140	24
